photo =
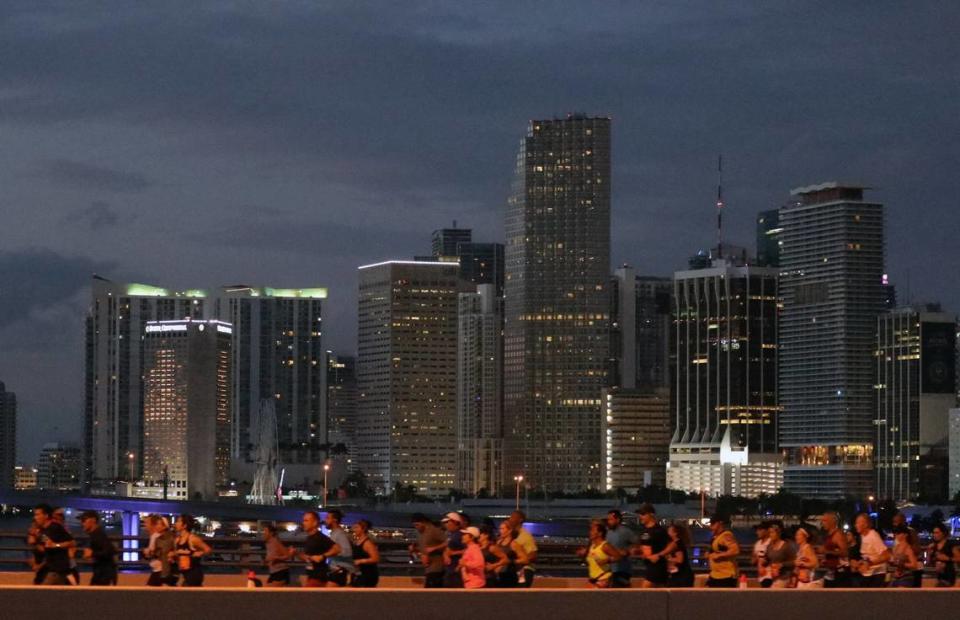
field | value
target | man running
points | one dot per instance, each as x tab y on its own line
836	555
57	543
453	522
723	553
341	565
525	540
317	549
429	546
653	544
874	555
621	538
101	551
760	554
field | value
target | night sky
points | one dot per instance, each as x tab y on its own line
286	143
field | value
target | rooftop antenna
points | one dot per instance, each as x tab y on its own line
720	206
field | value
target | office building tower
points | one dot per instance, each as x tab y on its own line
724	380
831	265
557	322
445	241
640	329
186	413
916	366
342	405
889	293
407	375
277	353
480	392
8	437
953	443
25	478
113	407
635	434
768	238
482	263
59	467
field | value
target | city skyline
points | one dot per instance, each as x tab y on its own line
166	186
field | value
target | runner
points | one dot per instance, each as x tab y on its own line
494	558
780	557
57	543
158	552
429	547
188	549
527	571
679	571
653	548
472	565
101	551
760	554
516	554
722	556
835	553
903	561
37	552
598	555
453	522
60	516
622	538
807	561
341	565
872	565
900	519
940	556
317	549
276	557
366	557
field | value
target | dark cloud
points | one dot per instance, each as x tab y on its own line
84	176
34	280
97	216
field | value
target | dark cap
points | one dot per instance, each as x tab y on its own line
719	518
419	517
89	514
646	509
763	525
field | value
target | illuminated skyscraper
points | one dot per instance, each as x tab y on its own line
557	303
480	392
640	330
113	407
186	412
831	265
768	238
406	431
342	404
916	363
8	436
277	353
724	376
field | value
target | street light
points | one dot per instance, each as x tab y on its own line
326	470
131	457
518	479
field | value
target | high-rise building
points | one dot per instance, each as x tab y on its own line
889	293
445	240
482	263
831	265
480	391
953	441
724	380
113	407
407	375
768	238
342	404
8	437
59	467
557	304
635	433
640	328
916	365
25	478
277	353
186	417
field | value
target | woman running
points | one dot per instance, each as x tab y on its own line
781	557
188	550
366	557
903	559
807	561
276	558
679	571
494	557
599	554
516	554
940	556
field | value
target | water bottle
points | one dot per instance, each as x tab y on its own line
743	584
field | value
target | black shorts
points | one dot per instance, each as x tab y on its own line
192	578
620	580
104	576
338	576
433	580
281	576
727	582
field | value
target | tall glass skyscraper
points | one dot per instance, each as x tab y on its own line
557	303
831	266
8	436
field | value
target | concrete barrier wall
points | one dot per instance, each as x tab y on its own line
82	603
